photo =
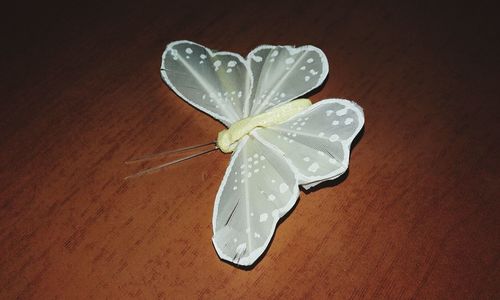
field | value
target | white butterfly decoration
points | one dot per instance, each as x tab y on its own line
269	162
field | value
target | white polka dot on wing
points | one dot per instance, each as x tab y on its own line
283	187
334	138
217	64
313	167
257	58
263	217
341	112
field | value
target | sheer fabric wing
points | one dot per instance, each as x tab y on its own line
317	141
217	83
283	73
258	188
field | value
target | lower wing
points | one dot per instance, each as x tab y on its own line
317	141
258	188
261	182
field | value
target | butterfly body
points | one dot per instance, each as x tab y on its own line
277	144
228	138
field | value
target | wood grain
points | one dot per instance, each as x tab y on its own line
416	217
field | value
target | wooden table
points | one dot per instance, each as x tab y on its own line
416	217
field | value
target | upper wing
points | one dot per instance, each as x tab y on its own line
283	73
258	188
317	141
230	88
217	83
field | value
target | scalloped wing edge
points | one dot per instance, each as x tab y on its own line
293	50
256	253
165	78
311	181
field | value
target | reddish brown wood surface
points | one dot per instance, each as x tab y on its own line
416	217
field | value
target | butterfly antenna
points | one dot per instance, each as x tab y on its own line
161	154
158	168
